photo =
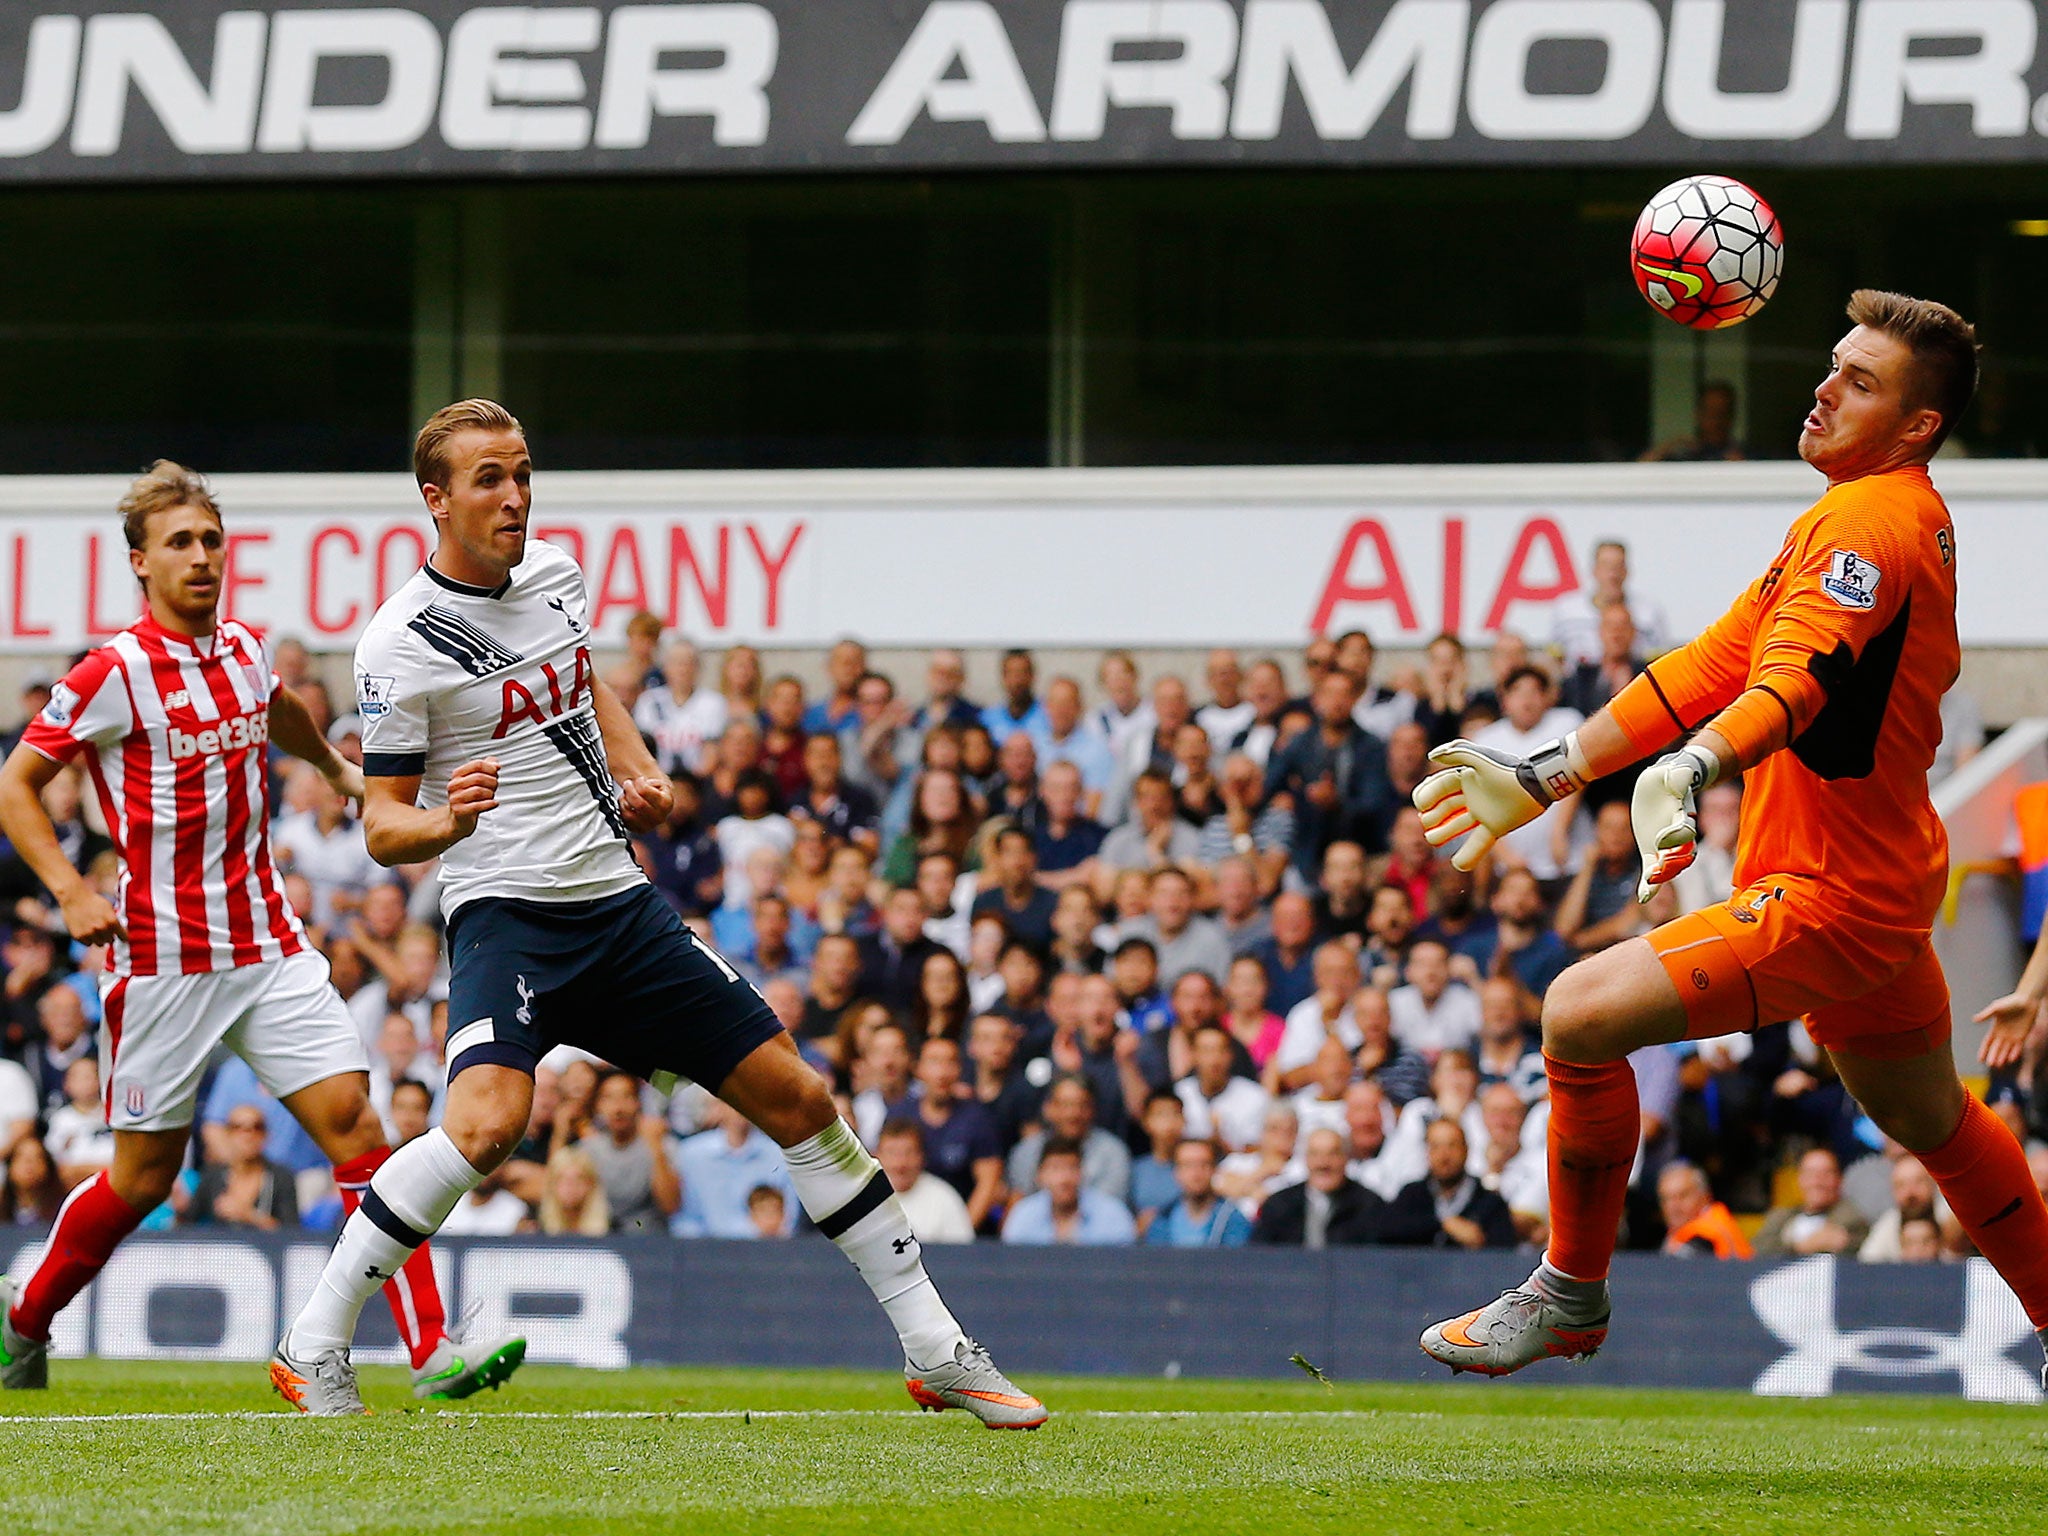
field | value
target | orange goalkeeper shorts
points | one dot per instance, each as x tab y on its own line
1780	950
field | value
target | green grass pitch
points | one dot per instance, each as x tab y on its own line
574	1452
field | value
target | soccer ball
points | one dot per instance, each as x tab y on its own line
1708	252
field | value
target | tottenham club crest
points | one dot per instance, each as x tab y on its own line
1851	580
373	696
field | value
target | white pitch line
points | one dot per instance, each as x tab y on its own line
652	1414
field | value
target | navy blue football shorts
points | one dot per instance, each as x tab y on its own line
620	977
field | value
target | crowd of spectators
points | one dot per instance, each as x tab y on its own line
1101	960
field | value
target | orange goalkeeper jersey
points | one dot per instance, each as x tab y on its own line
1841	652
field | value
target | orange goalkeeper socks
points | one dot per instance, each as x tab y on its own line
1984	1174
1595	1123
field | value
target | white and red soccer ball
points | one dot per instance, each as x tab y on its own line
1708	252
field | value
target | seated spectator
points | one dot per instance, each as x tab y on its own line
1065	1210
1457	921
640	1186
1506	1054
940	1007
1289	955
245	1188
681	855
1153	838
942	820
1265	690
1361	806
960	1141
572	1199
1453	1095
235	1086
1919	1241
1019	711
1696	1224
1711	441
1182	939
679	717
65	1041
1247	824
1197	797
1228	713
1341	899
1134	969
1527	950
1320	1103
892	961
945	703
78	1138
1166	1056
1599	907
1447	690
721	1168
1095	1050
1408	866
1401	1073
753	822
948	899
1152	751
1239	913
1389	931
1248	1177
844	810
1075	742
1589	685
1124	713
1070	1115
1025	906
1152	1181
1326	1013
1822	1222
409	981
1074	921
881	1080
783	736
412	1111
1408	761
1198	1217
933	1207
489	1210
835	978
397	1059
1433	1013
1448	1207
1511	1165
31	1191
1369	1121
525	1170
1023	999
1064	836
324	843
843	905
1326	1210
1254	1026
1004	1084
1914	1198
1221	1105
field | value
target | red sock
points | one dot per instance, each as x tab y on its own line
1984	1174
90	1224
414	1296
1595	1123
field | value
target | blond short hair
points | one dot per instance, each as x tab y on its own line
430	464
163	486
1944	347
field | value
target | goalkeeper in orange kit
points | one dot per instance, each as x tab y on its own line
1822	687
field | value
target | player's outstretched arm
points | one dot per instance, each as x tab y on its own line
88	915
401	831
292	728
644	793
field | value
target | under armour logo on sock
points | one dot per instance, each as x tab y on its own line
374	1273
904	1244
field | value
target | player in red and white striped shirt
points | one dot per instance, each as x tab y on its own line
172	720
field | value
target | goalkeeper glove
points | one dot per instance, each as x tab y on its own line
1489	793
1665	812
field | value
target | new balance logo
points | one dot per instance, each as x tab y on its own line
231	735
1797	1303
178	698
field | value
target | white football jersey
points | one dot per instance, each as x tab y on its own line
447	673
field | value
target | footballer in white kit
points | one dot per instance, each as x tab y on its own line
490	742
172	720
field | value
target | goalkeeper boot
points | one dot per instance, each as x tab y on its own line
321	1383
1526	1324
463	1367
24	1362
970	1381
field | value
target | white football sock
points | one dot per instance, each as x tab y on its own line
408	1199
849	1198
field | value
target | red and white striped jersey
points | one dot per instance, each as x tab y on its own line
174	732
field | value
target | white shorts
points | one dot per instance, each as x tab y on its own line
283	1017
